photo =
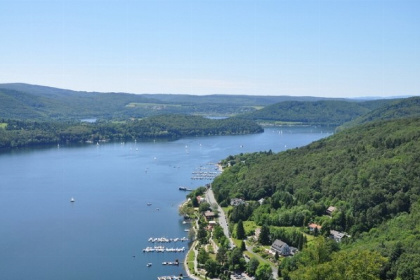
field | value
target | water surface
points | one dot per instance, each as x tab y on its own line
101	235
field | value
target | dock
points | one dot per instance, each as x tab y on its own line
167	240
162	249
173	277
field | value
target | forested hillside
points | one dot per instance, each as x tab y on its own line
397	109
324	112
370	173
15	133
24	101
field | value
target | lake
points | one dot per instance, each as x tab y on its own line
102	234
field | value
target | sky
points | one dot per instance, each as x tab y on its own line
335	48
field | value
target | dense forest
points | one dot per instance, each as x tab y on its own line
14	133
24	101
370	173
396	109
324	112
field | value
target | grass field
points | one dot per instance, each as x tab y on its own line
3	125
190	261
151	105
250	227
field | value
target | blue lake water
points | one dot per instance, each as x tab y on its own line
45	236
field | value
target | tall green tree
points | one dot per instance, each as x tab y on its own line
264	237
252	265
264	272
240	231
202	256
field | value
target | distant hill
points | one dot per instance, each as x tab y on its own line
396	109
23	101
322	112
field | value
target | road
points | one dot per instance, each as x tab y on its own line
222	217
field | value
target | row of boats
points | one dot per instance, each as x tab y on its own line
166	240
173	277
162	249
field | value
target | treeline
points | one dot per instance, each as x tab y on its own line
24	101
323	112
370	173
396	109
18	133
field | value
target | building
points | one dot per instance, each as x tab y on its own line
280	248
236	201
200	199
337	236
330	210
313	226
209	215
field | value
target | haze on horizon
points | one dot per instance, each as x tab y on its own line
252	47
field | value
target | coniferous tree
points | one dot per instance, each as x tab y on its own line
264	237
240	231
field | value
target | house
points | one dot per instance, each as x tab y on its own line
209	215
337	236
280	248
330	210
200	199
313	226
261	201
212	224
236	201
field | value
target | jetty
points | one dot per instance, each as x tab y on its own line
176	262
167	240
173	277
162	249
205	173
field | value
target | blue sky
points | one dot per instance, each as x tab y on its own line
281	47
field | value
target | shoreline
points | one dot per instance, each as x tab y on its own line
189	274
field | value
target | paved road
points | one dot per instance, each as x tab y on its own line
222	218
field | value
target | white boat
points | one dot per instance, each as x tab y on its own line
72	199
149	265
148	204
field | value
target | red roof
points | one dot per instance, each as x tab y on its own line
315	226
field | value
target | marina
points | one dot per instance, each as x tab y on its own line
207	172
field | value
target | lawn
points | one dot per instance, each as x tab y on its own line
250	227
3	125
190	261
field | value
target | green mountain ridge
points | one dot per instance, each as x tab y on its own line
25	101
20	101
320	112
396	109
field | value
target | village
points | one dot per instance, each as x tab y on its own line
215	237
